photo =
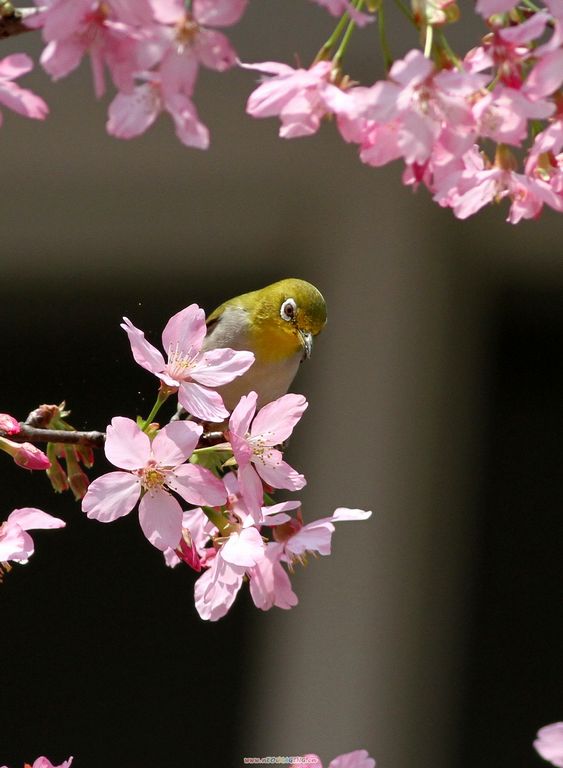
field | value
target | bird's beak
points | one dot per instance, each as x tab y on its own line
307	341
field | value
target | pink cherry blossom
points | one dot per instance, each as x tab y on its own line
15	543
410	113
132	113
476	183
545	164
185	39
549	743
18	99
296	95
152	467
253	440
188	368
105	30
503	115
269	583
298	539
8	424
26	455
238	552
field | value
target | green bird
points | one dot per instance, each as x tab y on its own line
278	324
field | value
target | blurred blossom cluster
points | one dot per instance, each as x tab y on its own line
473	127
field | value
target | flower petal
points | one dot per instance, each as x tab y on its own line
127	446
131	114
30	518
251	491
239	423
15	65
244	548
313	537
160	516
276	420
197	485
144	353
185	331
343	513
218	13
220	366
279	474
217	588
176	442
111	496
269	583
13	543
202	402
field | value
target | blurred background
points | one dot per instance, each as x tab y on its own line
432	636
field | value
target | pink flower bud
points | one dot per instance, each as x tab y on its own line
8	424
30	457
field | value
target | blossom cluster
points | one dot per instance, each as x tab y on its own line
228	484
439	113
473	128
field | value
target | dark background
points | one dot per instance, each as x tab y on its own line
432	635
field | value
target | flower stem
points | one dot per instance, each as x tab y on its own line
453	57
339	55
384	43
163	394
324	52
429	40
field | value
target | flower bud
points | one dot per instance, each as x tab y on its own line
25	454
8	424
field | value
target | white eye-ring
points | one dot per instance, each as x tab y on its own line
288	310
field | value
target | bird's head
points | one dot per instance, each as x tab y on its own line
285	317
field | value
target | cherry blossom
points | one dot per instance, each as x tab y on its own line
253	440
18	99
186	38
131	114
296	95
236	552
107	31
15	543
188	368
549	743
150	468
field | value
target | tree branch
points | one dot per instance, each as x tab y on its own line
12	20
29	434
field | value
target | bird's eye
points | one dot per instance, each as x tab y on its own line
288	310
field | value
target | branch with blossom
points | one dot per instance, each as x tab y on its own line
474	127
233	532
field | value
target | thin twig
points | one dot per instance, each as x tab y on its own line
29	434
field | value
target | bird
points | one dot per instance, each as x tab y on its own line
278	324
